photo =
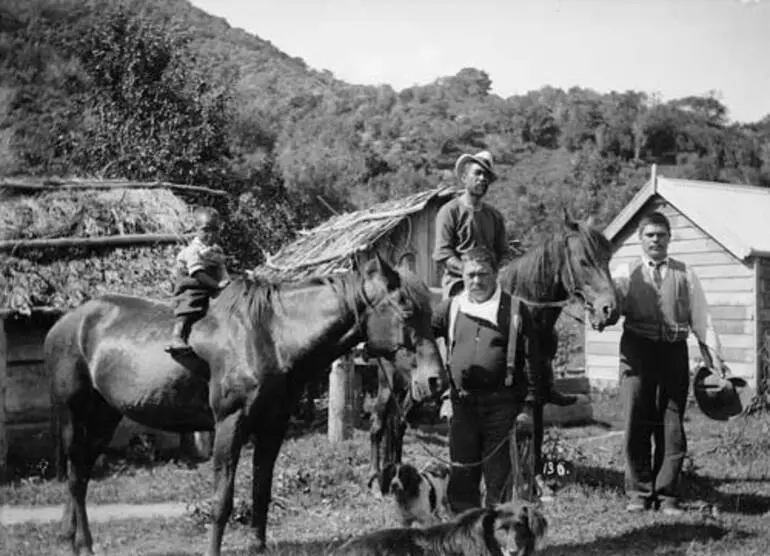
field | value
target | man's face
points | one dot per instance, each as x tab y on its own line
476	180
480	280
655	238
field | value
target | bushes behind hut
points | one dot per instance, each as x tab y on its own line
64	278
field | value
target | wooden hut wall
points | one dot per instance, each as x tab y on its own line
729	285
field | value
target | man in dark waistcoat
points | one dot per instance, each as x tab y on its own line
487	394
662	300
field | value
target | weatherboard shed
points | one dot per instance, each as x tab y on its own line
720	230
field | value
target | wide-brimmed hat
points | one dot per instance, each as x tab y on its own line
717	396
483	159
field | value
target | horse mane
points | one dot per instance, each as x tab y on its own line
258	299
535	274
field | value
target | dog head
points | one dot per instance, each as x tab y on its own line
402	480
518	528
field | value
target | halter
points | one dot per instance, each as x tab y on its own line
403	315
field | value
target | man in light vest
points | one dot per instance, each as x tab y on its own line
662	301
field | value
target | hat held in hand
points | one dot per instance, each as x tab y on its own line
717	396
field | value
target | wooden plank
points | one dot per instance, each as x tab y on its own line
128	239
739	355
3	419
733	312
602	348
601	361
603	372
727	299
733	270
728	283
706	259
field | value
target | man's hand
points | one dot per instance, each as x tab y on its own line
446	410
525	422
223	283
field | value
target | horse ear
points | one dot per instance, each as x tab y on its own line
569	221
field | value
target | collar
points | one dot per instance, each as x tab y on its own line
648	262
486	310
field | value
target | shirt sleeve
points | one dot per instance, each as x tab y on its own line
501	241
700	316
445	234
194	260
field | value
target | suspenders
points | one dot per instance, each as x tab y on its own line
514	326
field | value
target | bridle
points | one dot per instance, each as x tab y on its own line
403	315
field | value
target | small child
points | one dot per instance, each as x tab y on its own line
201	274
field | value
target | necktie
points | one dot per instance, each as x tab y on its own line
657	276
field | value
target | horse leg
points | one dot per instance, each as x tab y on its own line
89	430
266	447
375	439
228	439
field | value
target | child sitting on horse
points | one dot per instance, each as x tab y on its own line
200	275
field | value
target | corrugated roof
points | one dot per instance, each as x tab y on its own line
331	246
736	216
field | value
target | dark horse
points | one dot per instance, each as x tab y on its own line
256	348
573	262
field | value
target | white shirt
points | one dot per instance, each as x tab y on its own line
700	317
486	310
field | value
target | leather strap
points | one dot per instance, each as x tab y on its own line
514	325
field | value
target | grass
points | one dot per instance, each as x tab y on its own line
321	496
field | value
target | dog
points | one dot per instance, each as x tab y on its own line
510	529
420	495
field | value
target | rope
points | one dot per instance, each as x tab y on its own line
482	461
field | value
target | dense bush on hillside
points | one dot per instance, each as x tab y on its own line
148	89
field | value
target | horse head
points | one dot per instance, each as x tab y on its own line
587	273
397	323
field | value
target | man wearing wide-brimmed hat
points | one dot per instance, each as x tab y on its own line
662	302
467	221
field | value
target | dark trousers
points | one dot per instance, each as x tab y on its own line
481	424
655	381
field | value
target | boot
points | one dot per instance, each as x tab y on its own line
179	336
557	398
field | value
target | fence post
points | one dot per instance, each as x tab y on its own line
341	395
3	383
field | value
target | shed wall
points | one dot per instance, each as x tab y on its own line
729	285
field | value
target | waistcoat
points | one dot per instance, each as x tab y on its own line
661	314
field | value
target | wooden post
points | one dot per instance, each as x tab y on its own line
341	393
3	435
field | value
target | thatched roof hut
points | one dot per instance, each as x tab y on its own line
64	242
401	230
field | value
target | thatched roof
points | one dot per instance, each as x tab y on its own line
333	246
60	246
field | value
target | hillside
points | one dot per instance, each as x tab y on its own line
151	89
